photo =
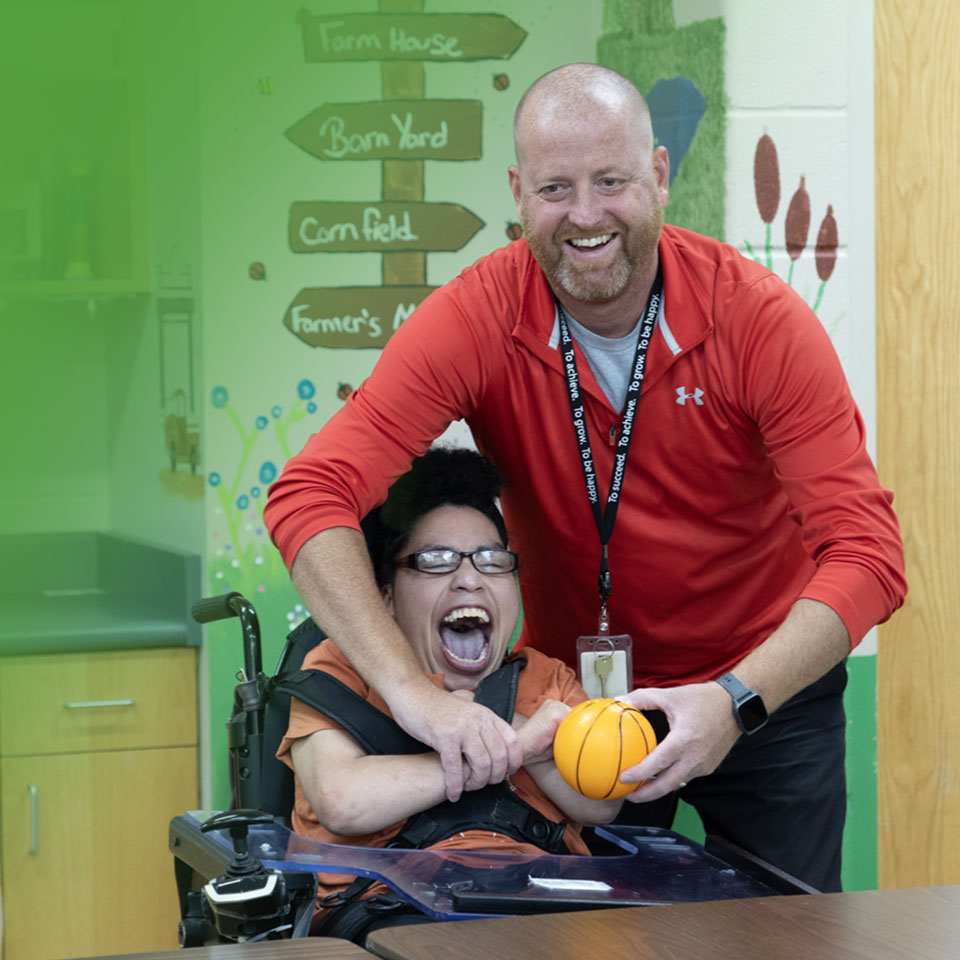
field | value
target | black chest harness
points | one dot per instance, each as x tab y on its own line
495	807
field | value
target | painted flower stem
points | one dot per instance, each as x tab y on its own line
751	251
295	414
816	303
232	515
247	441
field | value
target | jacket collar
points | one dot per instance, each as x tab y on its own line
688	273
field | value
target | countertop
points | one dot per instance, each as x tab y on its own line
67	593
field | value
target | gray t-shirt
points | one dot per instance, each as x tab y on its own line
611	358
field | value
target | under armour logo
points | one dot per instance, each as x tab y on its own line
683	397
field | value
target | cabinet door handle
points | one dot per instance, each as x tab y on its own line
34	825
89	704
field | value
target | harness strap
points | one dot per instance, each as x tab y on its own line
374	731
353	921
347	917
495	807
498	691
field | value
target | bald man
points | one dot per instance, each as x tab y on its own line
684	462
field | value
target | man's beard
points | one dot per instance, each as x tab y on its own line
638	246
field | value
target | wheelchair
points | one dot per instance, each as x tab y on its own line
243	874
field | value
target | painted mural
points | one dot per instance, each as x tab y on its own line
243	559
796	226
398	132
680	70
401	130
370	149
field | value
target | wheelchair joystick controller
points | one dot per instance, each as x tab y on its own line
238	822
247	901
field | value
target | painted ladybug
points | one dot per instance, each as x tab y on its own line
501	81
257	271
344	390
514	230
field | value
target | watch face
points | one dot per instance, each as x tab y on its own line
753	714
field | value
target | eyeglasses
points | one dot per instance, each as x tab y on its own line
445	560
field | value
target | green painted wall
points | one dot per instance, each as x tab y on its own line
641	41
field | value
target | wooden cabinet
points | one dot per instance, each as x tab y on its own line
98	752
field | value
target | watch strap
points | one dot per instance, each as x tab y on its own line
734	687
749	710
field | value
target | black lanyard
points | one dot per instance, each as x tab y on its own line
607	518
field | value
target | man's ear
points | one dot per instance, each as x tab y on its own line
386	592
514	174
661	167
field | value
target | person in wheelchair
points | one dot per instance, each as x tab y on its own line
446	576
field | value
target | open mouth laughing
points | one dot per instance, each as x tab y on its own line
465	638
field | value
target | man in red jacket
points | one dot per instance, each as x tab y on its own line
742	538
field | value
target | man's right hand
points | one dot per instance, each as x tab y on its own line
476	747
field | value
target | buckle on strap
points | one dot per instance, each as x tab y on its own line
417	832
529	823
334	899
348	894
385	903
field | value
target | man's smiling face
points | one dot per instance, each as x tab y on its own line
590	191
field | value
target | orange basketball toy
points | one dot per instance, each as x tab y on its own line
596	741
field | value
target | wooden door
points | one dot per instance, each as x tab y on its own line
917	93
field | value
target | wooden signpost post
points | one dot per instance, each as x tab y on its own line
401	131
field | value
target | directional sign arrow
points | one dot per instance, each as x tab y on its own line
449	37
392	130
351	316
385	227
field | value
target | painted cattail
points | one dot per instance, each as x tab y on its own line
798	221
766	178
826	249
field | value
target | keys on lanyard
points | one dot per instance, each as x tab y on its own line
603	667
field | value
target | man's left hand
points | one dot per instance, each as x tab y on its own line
702	732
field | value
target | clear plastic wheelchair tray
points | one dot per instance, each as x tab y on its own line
648	866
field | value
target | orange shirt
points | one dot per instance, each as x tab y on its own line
543	678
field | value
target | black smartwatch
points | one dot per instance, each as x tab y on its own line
748	708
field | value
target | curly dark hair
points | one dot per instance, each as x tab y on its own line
443	476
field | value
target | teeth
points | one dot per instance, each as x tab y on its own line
591	241
474	613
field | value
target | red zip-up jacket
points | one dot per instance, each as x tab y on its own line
748	484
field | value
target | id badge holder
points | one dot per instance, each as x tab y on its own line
605	664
